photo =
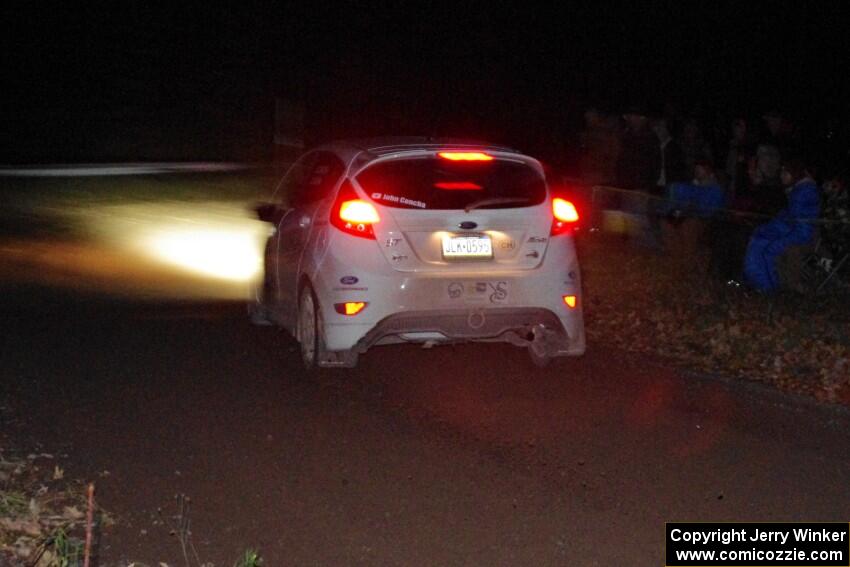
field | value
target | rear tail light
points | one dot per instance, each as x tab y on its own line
565	216
571	301
354	215
357	211
350	308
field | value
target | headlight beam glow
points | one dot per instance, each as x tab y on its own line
223	254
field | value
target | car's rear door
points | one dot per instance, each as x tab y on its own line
321	175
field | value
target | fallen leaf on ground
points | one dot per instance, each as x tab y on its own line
28	527
72	513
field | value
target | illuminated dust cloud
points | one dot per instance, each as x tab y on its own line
170	249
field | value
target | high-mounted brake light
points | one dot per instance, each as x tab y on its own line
565	214
458	186
466	156
354	215
350	308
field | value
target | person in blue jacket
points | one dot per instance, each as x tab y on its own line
701	198
792	226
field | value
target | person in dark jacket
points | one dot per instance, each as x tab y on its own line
600	147
639	152
694	147
791	227
836	213
670	167
636	171
738	155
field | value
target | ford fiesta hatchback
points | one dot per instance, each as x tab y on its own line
420	241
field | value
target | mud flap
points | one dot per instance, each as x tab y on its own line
338	358
545	343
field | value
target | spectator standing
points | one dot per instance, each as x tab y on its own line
738	155
671	165
637	171
775	145
766	195
600	148
694	147
766	165
639	153
780	132
669	169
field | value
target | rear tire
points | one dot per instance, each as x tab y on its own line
309	330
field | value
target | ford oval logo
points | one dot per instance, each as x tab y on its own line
348	280
468	225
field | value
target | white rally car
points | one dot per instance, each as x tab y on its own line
420	240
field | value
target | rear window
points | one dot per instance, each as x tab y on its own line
436	183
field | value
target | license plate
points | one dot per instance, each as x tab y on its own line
467	247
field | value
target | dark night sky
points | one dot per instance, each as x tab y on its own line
201	82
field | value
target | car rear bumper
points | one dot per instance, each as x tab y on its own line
489	324
518	326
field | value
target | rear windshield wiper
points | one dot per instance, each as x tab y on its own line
495	201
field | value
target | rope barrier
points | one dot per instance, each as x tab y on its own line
730	212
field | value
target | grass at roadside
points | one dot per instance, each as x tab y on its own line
668	307
43	514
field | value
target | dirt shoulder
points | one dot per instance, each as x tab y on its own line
671	307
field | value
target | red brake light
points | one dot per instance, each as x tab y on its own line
354	215
466	156
563	210
357	212
565	214
458	186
